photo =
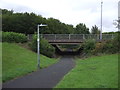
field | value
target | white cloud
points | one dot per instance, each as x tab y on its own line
69	11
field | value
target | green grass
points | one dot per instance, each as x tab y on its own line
0	63
93	72
18	61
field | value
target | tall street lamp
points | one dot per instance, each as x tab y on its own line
38	43
101	22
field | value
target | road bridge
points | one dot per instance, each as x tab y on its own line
75	38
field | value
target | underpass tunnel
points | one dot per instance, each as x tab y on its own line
67	50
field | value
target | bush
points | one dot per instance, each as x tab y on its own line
116	43
108	47
0	36
98	48
111	46
45	48
13	37
89	46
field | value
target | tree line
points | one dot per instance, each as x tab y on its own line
27	23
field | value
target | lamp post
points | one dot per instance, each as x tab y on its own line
101	22
38	43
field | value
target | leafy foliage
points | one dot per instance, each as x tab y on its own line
118	32
27	23
108	47
95	30
81	29
98	48
89	46
45	48
13	37
116	43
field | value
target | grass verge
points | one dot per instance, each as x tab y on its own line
18	61
93	72
0	63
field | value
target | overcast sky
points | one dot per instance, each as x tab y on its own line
69	11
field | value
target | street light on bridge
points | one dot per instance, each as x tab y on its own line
101	21
38	43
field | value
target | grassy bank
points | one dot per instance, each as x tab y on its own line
18	61
0	62
93	72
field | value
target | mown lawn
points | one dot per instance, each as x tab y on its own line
18	61
93	72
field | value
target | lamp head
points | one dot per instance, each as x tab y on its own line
42	25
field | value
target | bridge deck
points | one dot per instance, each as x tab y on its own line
74	38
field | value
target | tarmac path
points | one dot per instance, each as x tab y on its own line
44	78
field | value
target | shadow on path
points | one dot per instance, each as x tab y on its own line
44	78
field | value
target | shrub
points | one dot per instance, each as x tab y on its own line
89	46
108	47
111	46
98	48
45	48
116	43
0	36
33	44
13	37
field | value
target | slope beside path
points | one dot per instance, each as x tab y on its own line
44	78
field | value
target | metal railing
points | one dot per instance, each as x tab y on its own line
73	37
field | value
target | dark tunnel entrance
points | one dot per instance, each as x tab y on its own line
68	51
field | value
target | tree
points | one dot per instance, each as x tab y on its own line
57	27
5	11
27	23
81	29
95	30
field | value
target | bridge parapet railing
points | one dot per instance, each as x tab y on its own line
76	37
108	36
62	36
92	36
48	36
73	37
56	36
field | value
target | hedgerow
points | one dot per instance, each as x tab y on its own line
108	47
13	37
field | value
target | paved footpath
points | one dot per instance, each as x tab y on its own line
44	78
